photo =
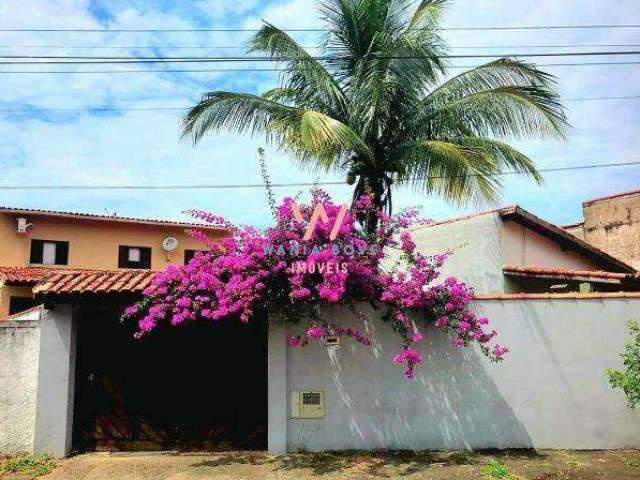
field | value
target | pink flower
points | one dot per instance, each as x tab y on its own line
315	332
407	244
500	351
254	271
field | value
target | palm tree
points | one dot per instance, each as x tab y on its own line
375	106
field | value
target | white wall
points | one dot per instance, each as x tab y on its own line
477	248
550	392
19	352
56	382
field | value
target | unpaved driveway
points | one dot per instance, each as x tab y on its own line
542	465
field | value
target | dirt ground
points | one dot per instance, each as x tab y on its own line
523	465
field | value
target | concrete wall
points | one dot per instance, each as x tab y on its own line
19	354
56	382
477	250
550	392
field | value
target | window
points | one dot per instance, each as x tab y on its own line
20	304
189	254
49	252
134	257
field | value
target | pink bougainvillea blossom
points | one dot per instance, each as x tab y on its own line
251	272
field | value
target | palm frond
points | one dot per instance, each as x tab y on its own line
281	95
315	87
511	111
498	73
457	172
427	14
304	132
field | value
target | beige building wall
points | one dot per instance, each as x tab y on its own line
613	225
93	244
524	247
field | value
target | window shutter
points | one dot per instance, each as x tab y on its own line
145	258
123	255
36	251
62	253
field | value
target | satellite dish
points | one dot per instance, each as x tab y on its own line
169	244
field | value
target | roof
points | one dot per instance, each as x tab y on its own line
556	296
553	232
107	218
572	225
564	238
27	276
95	282
591	201
458	219
566	274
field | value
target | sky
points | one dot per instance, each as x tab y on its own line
46	142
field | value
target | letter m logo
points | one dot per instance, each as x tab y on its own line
319	213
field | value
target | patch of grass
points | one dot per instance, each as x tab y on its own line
633	463
461	457
31	466
496	470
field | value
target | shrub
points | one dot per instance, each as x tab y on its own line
496	470
629	379
295	269
30	465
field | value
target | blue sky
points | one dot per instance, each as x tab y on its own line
41	147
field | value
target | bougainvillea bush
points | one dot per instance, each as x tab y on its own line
252	272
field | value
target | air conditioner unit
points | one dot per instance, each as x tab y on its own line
22	225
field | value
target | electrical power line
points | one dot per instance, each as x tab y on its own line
253	70
231	30
36	109
282	185
90	60
237	47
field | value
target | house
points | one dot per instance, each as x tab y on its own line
510	250
75	379
39	243
612	224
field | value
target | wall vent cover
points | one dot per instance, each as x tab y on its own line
307	404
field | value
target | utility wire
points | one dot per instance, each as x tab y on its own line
236	47
36	109
283	185
213	70
198	30
65	59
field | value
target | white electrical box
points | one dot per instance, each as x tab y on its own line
307	404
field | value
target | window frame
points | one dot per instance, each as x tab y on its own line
14	309
36	252
145	257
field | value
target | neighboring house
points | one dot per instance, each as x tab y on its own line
559	303
510	250
612	223
37	244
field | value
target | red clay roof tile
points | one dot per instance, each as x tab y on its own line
96	281
566	273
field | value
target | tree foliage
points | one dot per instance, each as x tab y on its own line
629	379
379	106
